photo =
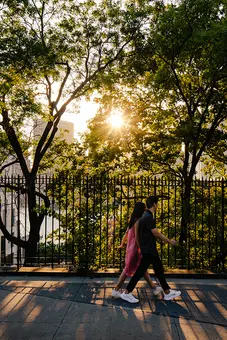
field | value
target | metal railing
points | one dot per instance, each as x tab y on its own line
88	216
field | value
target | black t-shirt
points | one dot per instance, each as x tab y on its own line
147	239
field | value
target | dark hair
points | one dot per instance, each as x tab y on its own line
138	211
151	200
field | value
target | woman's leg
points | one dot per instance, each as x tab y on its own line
149	281
120	281
141	270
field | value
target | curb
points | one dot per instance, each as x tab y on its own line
39	272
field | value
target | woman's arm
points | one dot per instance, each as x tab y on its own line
124	239
136	228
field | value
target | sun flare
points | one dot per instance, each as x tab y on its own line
116	120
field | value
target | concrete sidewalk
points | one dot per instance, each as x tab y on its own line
82	308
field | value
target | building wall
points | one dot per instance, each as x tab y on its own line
39	126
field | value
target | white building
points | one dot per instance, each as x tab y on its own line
65	130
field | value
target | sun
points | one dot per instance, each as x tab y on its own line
116	120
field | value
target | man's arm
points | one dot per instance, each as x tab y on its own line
161	237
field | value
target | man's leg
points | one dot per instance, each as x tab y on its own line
149	280
144	264
169	294
159	272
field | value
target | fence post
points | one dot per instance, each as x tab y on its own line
121	197
18	221
73	219
222	246
87	222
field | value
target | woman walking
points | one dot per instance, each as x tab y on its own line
133	256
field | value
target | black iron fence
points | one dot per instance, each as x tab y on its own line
88	216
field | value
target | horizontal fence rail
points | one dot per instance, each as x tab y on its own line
88	216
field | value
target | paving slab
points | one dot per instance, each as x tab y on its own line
6	298
28	331
218	311
21	309
192	330
65	291
12	302
96	322
47	310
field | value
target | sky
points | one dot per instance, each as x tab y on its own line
87	111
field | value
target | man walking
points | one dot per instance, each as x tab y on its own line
147	241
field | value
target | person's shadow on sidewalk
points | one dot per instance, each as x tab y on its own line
170	308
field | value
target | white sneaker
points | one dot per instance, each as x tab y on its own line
129	297
157	290
172	294
116	294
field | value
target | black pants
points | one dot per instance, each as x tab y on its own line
146	260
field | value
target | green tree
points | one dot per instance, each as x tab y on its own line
173	90
52	53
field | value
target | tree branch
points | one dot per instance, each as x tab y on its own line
214	125
63	83
14	142
181	91
37	157
48	90
11	238
76	92
25	191
202	119
8	164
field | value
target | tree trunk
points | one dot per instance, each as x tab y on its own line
186	209
31	255
185	222
31	249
